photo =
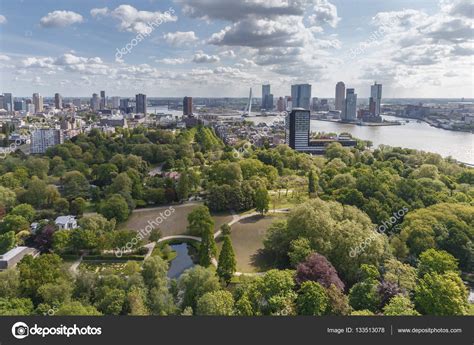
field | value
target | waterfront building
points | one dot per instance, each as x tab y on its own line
340	99
141	106
375	98
188	106
350	109
301	96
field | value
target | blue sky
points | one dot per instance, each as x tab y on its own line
224	47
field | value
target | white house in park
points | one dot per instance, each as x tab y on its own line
66	222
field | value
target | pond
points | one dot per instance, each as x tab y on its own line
182	262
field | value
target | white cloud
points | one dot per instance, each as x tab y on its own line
4	58
3	19
180	38
133	20
97	12
201	57
60	19
168	61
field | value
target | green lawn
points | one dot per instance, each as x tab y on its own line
175	224
247	239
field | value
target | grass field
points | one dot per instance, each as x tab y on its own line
175	224
247	239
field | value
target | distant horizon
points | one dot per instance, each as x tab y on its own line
415	48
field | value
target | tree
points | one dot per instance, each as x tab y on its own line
76	308
35	272
61	241
7	197
364	294
7	242
441	294
300	249
183	186
436	261
200	221
318	269
15	306
226	266
216	303
400	306
13	223
401	274
75	185
155	235
311	183
334	231
262	200
25	210
78	206
338	303
312	299
194	283
225	229
154	273
135	301
110	301
115	207
9	283
207	247
56	293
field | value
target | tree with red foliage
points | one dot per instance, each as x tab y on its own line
317	268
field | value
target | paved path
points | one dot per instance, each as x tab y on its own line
235	219
75	265
150	247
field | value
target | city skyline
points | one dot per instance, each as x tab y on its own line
222	48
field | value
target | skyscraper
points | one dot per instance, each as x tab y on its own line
115	102
350	109
95	102
8	102
298	129
140	101
301	96
103	101
376	96
267	97
281	104
58	101
188	106
340	100
38	102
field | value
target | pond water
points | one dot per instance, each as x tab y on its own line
182	262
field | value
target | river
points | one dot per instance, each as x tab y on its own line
412	135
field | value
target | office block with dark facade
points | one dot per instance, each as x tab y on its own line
298	134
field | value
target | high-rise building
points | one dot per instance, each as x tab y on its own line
340	99
38	102
188	106
95	102
350	109
58	101
115	102
42	139
19	105
281	104
140	100
267	97
8	102
2	102
103	101
301	96
298	129
376	96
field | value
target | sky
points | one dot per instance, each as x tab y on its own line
222	48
